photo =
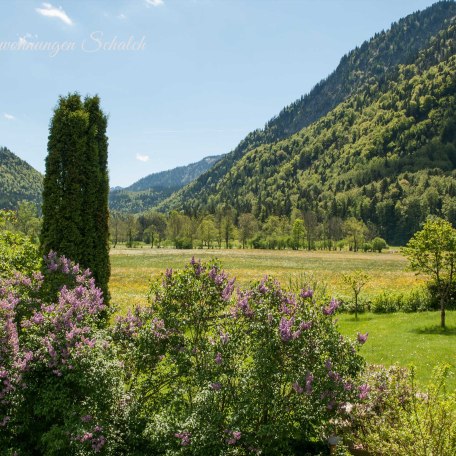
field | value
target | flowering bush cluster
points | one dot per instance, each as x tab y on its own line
397	419
205	368
59	380
218	370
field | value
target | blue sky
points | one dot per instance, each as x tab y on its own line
200	75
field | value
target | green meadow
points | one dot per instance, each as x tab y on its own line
401	338
132	269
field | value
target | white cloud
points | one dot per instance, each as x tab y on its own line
154	2
143	158
121	16
51	11
9	116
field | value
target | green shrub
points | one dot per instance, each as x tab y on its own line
416	300
386	302
219	371
184	243
379	244
397	419
367	247
17	254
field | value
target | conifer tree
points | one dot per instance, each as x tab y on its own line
76	186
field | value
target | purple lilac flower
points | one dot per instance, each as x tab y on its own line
285	326
216	386
331	404
297	387
4	421
86	436
98	443
213	272
228	290
309	380
288	305
242	305
306	293
334	376
218	358
234	437
331	308
184	438
303	326
86	418
262	287
169	273
362	338
364	391
224	337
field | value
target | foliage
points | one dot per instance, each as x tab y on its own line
75	195
17	252
27	220
18	181
432	251
379	244
415	300
398	419
60	386
219	371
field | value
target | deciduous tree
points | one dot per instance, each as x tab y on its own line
432	251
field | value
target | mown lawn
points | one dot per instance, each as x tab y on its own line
393	338
406	339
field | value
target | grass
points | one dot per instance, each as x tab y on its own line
133	268
393	338
406	339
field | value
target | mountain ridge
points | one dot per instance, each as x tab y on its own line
154	188
374	60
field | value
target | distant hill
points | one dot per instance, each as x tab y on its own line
153	189
370	65
18	181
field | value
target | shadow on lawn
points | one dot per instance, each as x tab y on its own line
361	319
435	330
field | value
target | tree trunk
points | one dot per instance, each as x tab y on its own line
442	312
356	306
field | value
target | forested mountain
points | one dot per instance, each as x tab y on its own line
18	181
174	178
151	190
378	142
373	61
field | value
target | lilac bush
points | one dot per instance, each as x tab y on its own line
60	383
218	370
397	418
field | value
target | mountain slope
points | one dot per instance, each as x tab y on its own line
153	189
174	178
18	181
373	62
386	155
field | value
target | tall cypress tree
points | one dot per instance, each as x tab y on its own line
76	186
